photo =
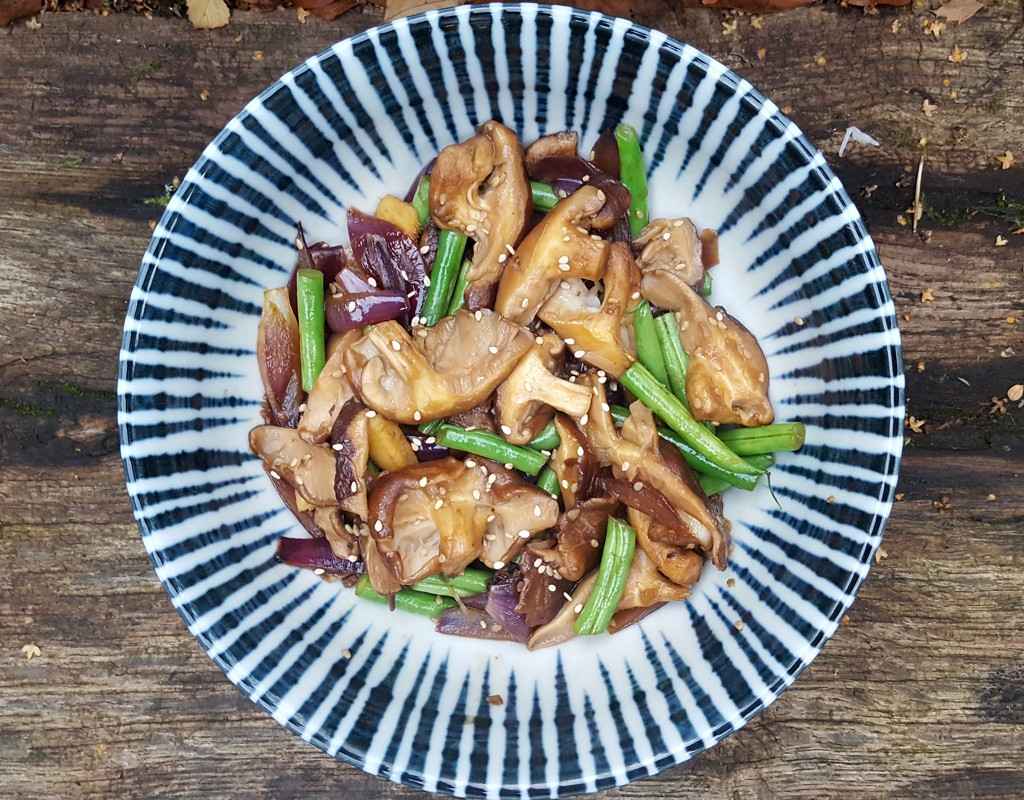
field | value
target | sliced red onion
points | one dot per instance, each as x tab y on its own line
315	554
346	312
391	257
501	605
426	448
353	281
470	622
476	601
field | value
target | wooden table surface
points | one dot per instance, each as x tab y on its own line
921	691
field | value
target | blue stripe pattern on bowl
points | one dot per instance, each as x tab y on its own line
382	691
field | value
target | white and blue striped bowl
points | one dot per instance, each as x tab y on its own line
383	691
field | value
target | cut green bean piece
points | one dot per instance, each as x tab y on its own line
712	484
421	200
548	481
633	175
619	544
766	439
426	605
697	461
657	398
544	197
309	297
450	247
707	285
547	439
490	445
430	428
648	347
676	360
471	582
459	292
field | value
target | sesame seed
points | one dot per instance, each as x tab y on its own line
552	587
423	481
346	653
528	386
567	596
606	408
337	447
526	302
579	354
635	296
798	321
275	476
483	624
666	236
478	315
337	373
416	415
536	511
584	419
579	451
625	466
426	280
302	407
431	439
442	558
404	274
476	494
499	564
594	543
639	214
502	258
353	558
491	518
371	414
372	282
563	267
378	526
493	477
492	350
395	344
505	429
511	251
638	486
563	259
299	481
424	250
354	487
565	483
578	608
351	305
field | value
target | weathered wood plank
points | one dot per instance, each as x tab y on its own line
918	695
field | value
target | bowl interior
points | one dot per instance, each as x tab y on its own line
382	690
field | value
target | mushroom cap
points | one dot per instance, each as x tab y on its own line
599	329
560	246
479	188
446	369
440	516
727	378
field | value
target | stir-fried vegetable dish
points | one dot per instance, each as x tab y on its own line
507	403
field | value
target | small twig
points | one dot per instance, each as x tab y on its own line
917	194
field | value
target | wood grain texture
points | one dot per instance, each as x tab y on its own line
921	691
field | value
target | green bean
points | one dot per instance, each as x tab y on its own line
490	445
427	605
676	360
766	439
657	398
430	428
706	286
544	197
459	292
547	439
309	296
712	484
469	583
421	200
450	247
619	544
648	348
548	481
697	461
632	174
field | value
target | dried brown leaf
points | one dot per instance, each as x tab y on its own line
959	11
208	14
